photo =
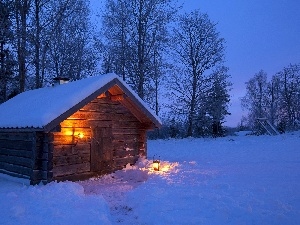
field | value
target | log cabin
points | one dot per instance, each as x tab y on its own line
74	130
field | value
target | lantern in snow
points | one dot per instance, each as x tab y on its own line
156	164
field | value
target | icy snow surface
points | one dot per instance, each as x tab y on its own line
232	180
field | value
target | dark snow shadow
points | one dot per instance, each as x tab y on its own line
119	181
114	189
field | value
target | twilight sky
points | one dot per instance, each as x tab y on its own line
259	34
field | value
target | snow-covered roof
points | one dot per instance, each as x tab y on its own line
40	107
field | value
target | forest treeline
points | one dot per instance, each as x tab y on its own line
175	61
277	99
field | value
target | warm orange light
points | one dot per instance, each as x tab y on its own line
80	135
68	132
156	165
165	168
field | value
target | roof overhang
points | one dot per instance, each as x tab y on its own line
45	108
117	92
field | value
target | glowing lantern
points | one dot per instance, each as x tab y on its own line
156	165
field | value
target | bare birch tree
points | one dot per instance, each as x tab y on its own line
256	97
133	29
277	100
61	40
116	32
199	48
289	110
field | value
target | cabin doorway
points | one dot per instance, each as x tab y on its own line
101	150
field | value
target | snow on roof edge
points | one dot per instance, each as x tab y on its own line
39	107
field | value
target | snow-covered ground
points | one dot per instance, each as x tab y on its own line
232	180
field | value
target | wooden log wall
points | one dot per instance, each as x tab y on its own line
72	155
43	158
128	134
26	155
17	153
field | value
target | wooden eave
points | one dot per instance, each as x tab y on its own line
129	104
115	88
78	106
136	107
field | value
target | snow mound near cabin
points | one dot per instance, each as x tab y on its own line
54	203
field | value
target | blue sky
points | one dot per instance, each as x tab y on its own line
259	34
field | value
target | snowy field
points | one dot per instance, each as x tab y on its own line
232	180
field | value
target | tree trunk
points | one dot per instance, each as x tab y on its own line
123	61
272	110
3	81
140	71
21	19
155	63
37	45
43	62
192	107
